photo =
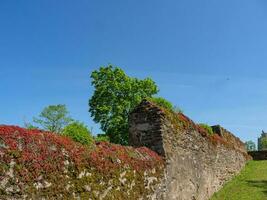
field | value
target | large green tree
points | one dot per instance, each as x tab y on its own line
53	118
115	95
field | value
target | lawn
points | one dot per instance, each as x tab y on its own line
251	184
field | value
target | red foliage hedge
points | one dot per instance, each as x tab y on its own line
37	152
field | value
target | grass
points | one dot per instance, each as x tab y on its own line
251	184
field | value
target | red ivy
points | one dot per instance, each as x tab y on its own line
38	153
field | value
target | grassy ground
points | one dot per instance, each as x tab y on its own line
251	184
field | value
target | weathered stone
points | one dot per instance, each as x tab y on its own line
195	166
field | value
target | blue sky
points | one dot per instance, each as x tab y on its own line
207	57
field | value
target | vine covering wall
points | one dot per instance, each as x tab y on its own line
42	165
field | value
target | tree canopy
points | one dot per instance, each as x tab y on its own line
53	118
78	132
263	143
115	95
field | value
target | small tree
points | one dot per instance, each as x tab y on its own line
250	146
53	118
78	132
115	95
30	126
263	143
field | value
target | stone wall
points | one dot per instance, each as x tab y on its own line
40	165
146	127
197	165
229	137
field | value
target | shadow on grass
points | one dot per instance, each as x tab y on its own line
262	184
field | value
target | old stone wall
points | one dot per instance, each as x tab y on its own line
197	165
37	165
229	137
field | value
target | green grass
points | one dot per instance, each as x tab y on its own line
251	184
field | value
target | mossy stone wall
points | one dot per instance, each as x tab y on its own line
197	163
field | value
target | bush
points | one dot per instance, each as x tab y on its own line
207	128
78	132
162	102
102	138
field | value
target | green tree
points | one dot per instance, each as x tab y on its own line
250	146
53	118
102	138
30	126
78	132
115	95
263	143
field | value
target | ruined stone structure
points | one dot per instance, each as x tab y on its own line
193	164
197	165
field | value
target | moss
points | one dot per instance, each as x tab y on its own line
98	184
207	128
97	181
182	124
161	102
179	121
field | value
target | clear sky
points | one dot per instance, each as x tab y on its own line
207	57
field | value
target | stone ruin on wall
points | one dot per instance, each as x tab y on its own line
197	164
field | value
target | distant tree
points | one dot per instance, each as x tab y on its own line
30	126
78	132
250	146
53	118
115	95
263	143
